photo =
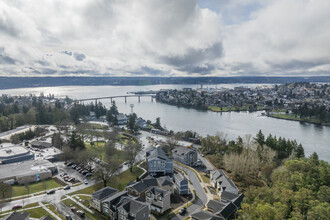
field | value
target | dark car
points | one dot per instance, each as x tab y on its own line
81	213
67	187
74	209
16	207
51	192
183	211
68	217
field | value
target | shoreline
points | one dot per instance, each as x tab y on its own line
297	120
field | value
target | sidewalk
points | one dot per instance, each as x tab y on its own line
80	204
49	211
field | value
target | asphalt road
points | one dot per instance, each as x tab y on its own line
202	198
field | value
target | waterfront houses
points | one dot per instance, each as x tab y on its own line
221	182
159	199
181	184
99	196
185	155
158	162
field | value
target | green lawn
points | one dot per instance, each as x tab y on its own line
99	150
119	182
37	212
19	190
205	177
53	209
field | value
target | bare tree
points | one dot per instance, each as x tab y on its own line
85	157
132	150
172	142
5	190
27	187
107	170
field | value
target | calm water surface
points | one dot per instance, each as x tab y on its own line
313	137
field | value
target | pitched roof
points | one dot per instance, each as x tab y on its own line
104	193
203	215
157	152
157	191
228	210
220	176
182	150
46	217
238	200
228	196
179	177
132	206
216	206
165	181
225	209
138	186
17	216
150	181
115	196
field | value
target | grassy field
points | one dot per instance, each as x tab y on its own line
85	199
98	149
295	117
35	187
226	109
53	209
205	177
119	182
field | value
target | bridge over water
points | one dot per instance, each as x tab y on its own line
152	96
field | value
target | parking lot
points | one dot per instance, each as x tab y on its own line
72	173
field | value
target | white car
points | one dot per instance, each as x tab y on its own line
85	181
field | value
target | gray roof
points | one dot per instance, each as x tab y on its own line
157	191
228	196
238	201
203	215
182	150
150	181
179	177
46	217
216	206
228	210
17	216
104	193
41	144
131	205
165	181
222	208
139	186
220	176
157	152
116	196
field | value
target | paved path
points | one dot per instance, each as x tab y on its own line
49	211
80	204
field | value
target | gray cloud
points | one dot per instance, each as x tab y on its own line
5	59
79	56
66	52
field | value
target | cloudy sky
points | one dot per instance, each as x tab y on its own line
164	37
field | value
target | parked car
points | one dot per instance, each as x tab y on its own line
84	172
52	191
74	209
16	207
73	166
70	164
183	211
68	217
81	213
85	181
88	174
67	187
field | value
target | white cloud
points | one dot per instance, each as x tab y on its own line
173	37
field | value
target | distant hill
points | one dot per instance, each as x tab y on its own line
23	82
